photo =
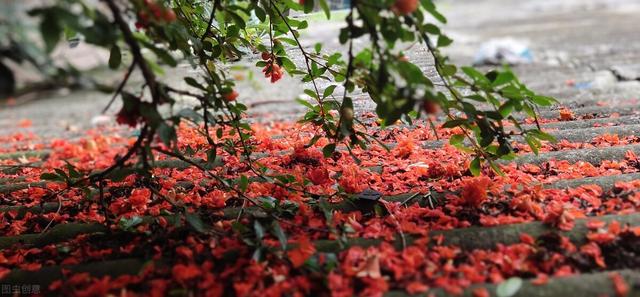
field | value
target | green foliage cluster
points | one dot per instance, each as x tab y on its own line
210	34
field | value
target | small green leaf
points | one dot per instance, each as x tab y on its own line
543	101
328	150
542	135
456	139
431	29
195	222
50	176
115	57
474	167
325	7
534	143
444	40
194	83
257	227
167	134
128	224
244	183
279	233
328	91
503	78
506	108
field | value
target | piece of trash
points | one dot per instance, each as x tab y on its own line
419	165
582	85
503	51
101	120
370	194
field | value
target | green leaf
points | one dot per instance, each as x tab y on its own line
195	222
456	139
431	29
543	100
413	74
167	134
444	40
194	83
308	6
509	287
542	135
325	7
454	123
449	70
305	103
279	233
496	168
260	13
51	30
115	57
257	227
328	150
431	8
506	108
503	78
475	75
474	167
534	143
51	176
120	174
237	19
128	224
328	91
244	183
311	93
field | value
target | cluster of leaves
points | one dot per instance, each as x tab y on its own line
209	34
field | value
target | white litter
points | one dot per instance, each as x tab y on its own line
501	51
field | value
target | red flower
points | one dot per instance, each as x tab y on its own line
272	70
527	239
405	147
593	250
414	288
559	217
595	224
474	192
183	273
300	255
480	292
601	237
542	279
4	272
318	176
231	95
619	284
184	252
139	197
129	116
403	7
340	286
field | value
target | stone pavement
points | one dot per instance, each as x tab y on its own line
585	52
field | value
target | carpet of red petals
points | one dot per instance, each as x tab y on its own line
220	263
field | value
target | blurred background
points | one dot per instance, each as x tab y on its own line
583	52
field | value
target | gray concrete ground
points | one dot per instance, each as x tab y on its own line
585	51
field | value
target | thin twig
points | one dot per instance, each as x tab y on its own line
135	49
120	86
